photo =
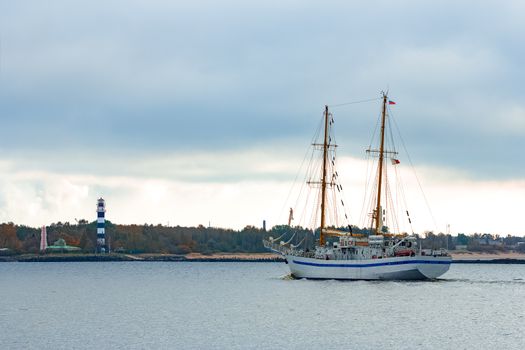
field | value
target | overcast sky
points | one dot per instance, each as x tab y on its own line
198	111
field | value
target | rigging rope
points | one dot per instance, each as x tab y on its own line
336	184
415	173
354	102
278	238
401	190
317	132
290	238
299	244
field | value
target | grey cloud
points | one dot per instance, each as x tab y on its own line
162	76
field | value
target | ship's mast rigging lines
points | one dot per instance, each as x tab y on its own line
309	210
329	180
385	197
405	149
310	179
309	207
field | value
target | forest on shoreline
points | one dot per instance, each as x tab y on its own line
136	239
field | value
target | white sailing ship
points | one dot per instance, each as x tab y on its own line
375	255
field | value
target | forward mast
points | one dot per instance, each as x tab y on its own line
323	179
378	211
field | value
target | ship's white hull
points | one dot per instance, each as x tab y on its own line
395	268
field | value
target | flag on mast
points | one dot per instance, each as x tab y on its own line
390	102
395	161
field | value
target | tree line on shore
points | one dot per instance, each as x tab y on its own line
147	238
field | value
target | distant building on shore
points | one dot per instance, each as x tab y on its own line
61	246
487	240
6	251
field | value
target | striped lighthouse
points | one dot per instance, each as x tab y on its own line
101	231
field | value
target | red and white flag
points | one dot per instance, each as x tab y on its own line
395	161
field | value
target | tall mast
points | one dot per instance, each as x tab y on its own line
380	167
323	180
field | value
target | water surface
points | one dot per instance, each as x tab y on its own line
170	305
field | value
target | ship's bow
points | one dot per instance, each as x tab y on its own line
435	266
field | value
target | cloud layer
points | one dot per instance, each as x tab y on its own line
212	93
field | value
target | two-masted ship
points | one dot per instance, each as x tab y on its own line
374	255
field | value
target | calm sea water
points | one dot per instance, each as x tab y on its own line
254	306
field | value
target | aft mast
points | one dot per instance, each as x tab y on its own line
323	180
378	210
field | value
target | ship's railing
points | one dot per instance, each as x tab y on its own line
434	252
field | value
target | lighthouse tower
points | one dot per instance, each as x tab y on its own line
101	231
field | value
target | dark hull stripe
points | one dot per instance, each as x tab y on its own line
405	262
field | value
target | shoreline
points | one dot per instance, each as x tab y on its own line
457	258
465	257
192	257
